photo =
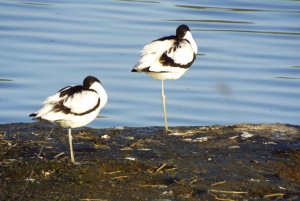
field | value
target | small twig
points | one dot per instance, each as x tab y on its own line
58	155
115	172
161	167
153	185
8	142
218	183
193	180
225	192
218	198
120	177
274	195
228	192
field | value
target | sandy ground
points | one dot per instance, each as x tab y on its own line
240	162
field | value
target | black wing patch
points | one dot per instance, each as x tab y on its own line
165	60
166	38
69	91
59	107
32	115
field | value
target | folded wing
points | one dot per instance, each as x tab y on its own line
82	102
180	55
152	52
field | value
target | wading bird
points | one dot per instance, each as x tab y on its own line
168	58
74	106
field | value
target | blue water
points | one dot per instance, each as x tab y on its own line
247	70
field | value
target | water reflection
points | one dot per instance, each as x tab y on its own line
288	78
212	21
219	8
248	31
247	69
236	9
39	4
5	80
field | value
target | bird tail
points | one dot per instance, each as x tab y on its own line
138	70
45	109
33	115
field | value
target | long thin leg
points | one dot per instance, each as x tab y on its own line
71	146
164	104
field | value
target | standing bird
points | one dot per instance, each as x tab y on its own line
74	106
168	58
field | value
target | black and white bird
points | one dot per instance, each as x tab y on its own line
74	106
168	58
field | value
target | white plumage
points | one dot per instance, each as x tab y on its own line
151	54
74	106
168	58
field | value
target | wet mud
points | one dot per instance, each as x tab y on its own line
239	162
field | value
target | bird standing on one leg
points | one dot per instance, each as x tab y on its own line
168	58
74	106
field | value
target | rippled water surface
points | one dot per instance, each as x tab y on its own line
247	69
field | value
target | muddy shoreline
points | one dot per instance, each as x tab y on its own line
239	162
